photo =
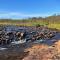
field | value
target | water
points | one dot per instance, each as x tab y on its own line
1	48
39	41
29	36
18	42
49	41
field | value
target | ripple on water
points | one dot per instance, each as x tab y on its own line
39	41
18	42
1	48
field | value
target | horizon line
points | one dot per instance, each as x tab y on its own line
18	15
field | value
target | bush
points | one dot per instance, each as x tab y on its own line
38	25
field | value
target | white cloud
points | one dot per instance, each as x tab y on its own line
18	15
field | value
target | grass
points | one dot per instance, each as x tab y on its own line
57	26
31	23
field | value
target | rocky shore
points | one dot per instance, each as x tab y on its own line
29	43
34	52
10	34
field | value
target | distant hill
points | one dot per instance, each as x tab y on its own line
52	19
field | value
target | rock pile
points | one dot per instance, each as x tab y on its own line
30	33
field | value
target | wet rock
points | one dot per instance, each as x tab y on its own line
11	36
20	35
33	33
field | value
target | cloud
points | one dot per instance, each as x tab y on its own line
18	15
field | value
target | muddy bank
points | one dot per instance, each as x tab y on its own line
44	52
13	56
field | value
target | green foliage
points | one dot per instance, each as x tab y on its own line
38	25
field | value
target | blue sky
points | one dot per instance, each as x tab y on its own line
28	8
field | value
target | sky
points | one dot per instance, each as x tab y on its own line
17	9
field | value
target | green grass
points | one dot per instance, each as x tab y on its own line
50	25
50	22
57	26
